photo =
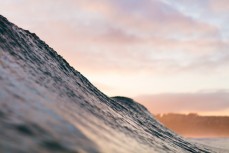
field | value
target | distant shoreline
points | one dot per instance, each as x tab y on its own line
195	126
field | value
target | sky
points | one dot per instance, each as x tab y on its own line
171	56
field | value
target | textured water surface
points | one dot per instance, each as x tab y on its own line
221	143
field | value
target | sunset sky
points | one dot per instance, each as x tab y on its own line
171	56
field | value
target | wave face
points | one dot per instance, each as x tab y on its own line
47	106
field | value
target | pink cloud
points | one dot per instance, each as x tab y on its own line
186	102
221	6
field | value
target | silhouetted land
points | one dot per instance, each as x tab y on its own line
193	125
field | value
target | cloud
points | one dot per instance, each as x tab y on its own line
143	19
221	6
155	18
202	57
202	102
